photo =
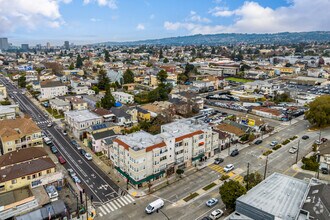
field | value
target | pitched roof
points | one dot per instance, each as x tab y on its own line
103	134
230	129
12	129
102	111
26	168
22	155
47	84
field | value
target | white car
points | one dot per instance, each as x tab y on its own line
274	143
88	156
229	167
216	214
49	125
293	149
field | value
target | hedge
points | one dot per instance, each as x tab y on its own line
267	152
277	147
209	186
286	142
191	196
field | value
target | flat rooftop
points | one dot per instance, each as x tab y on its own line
140	139
279	195
82	115
16	195
183	127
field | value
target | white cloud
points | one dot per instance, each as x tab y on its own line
29	14
95	19
109	3
140	27
251	17
196	18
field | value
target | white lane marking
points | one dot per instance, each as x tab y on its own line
106	209
102	210
121	203
109	206
130	197
117	204
122	200
100	214
114	206
126	199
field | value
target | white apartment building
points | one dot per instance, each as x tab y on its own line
8	111
80	120
3	92
123	97
52	89
142	157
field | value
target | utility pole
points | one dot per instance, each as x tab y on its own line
86	206
266	167
219	150
297	152
320	136
248	178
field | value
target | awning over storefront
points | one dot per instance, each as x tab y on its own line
197	157
134	182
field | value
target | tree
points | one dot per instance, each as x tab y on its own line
79	62
106	56
161	56
230	191
22	81
71	67
96	89
108	100
162	76
252	180
128	76
319	111
179	172
165	60
103	79
54	66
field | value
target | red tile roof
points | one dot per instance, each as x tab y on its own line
188	135
150	148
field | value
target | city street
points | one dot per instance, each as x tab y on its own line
94	181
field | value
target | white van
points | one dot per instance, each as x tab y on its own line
47	140
159	203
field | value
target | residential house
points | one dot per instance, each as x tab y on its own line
324	152
77	103
143	115
107	115
160	108
123	97
52	89
267	112
19	133
122	118
235	132
91	100
8	111
190	97
3	92
79	121
263	86
97	138
25	167
59	105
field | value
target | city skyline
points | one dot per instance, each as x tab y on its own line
88	21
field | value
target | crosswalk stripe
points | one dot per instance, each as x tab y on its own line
126	199
106	209
102	210
123	200
130	197
118	200
109	206
112	204
100	214
117	204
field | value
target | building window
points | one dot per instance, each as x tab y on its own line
13	181
34	176
40	174
28	177
49	171
23	177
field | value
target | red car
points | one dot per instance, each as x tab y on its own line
61	159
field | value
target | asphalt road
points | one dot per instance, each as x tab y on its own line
94	181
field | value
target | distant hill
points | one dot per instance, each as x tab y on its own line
225	39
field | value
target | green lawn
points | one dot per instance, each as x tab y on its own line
240	80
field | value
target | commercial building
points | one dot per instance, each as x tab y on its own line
3	92
123	97
284	197
80	120
142	157
52	89
25	47
4	43
19	133
66	45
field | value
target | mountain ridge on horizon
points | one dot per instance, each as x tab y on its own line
230	38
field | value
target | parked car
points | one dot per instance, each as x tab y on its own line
53	149
258	142
234	153
88	156
305	137
76	179
216	214
212	202
324	140
71	173
206	218
293	149
229	167
83	152
324	170
218	160
61	159
50	125
273	143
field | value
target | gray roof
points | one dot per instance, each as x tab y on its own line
103	134
278	195
120	112
47	84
